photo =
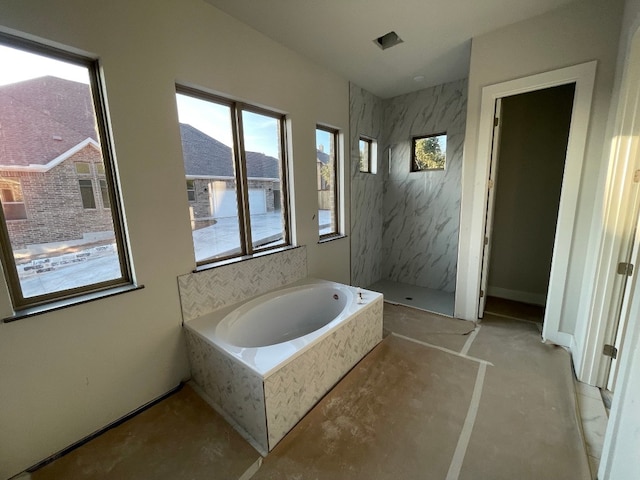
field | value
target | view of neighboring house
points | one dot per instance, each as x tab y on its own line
45	147
211	180
49	157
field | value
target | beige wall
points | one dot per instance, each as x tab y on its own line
583	31
67	373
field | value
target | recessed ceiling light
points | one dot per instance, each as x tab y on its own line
388	40
418	78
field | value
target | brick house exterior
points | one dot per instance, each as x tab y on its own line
49	144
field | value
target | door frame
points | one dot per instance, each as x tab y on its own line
583	75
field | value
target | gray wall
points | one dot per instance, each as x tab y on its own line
365	110
533	144
405	226
422	209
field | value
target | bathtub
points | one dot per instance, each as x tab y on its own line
264	363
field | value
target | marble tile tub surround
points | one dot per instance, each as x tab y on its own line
209	290
421	210
264	408
365	118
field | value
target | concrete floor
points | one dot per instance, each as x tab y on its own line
437	399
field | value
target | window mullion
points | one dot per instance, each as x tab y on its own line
240	159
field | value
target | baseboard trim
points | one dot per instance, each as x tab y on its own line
518	296
106	428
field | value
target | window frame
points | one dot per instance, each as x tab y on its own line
239	157
414	165
98	95
370	143
335	135
14	202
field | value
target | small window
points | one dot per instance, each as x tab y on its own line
429	152
327	181
236	152
100	168
83	168
11	198
191	190
57	129
86	192
365	145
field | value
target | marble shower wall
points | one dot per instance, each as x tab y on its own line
366	190
421	210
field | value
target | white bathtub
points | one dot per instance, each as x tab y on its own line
266	362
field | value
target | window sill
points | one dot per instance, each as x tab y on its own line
229	261
69	302
337	236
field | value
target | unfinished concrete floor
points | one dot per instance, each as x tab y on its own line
437	399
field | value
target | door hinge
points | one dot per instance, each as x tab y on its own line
490	183
610	351
486	241
625	268
636	176
481	293
496	121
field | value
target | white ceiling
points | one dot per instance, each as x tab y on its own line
339	34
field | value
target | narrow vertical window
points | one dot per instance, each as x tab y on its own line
86	193
234	162
327	181
54	133
366	152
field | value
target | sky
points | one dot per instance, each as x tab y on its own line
17	65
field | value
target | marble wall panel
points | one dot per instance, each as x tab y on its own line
294	389
233	387
366	190
421	210
209	290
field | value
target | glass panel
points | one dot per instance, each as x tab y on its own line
83	168
207	149
429	153
264	179
86	191
63	242
326	172
106	203
365	156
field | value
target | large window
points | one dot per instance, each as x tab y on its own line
234	161
55	243
327	181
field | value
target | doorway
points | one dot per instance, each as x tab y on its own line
529	153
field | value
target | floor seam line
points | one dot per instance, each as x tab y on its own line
443	349
465	435
472	337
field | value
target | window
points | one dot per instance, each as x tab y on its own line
366	154
429	152
12	200
327	175
191	190
83	168
86	192
55	129
104	191
234	153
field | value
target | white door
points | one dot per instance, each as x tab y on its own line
257	201
488	226
627	268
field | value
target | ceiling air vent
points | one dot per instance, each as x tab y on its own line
388	40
